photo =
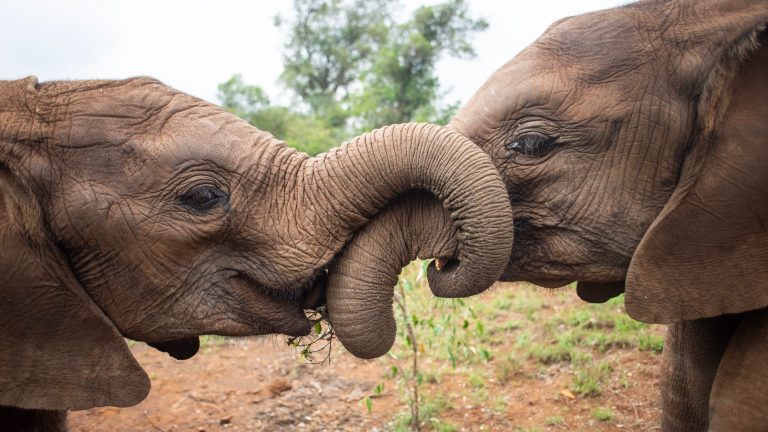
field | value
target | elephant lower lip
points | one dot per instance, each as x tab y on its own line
281	308
180	349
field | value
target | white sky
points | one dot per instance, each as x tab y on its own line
193	45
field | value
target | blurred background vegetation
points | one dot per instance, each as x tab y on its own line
352	66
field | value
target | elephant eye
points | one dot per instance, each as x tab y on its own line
203	197
532	144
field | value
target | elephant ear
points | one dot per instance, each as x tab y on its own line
706	252
58	350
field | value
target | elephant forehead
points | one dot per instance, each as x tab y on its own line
151	128
602	44
533	84
111	116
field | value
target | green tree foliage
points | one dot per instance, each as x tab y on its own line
329	45
353	67
402	85
301	131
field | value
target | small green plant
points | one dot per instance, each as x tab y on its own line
376	392
562	349
480	395
589	380
523	340
624	380
527	305
368	402
414	379
503	303
507	368
319	341
554	421
476	380
603	414
442	426
651	342
500	404
428	413
212	341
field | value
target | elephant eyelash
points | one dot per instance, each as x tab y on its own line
532	144
203	197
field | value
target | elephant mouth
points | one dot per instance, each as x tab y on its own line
308	294
282	310
261	310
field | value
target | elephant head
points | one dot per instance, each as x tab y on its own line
130	209
633	144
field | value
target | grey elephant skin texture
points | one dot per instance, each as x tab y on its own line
633	143
129	209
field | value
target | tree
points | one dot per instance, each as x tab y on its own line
402	84
329	44
301	131
245	101
355	68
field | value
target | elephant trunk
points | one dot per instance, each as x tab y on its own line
361	280
358	179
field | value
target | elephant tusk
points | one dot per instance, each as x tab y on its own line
440	263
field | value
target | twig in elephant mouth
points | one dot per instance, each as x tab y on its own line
323	336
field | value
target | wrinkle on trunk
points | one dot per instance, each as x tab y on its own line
350	184
361	281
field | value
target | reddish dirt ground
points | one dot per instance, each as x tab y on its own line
255	385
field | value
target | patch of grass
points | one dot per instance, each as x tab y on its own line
579	357
500	404
624	380
212	341
622	323
442	426
429	412
523	340
503	303
510	333
578	318
510	325
562	350
476	380
554	421
603	414
651	342
549	354
589	380
506	368
480	395
527	304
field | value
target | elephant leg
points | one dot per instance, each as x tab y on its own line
739	400
692	353
15	419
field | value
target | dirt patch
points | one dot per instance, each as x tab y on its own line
260	384
244	385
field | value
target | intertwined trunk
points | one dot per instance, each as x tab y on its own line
357	180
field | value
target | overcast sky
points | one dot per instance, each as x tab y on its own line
194	45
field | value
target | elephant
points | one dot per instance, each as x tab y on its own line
131	210
633	143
